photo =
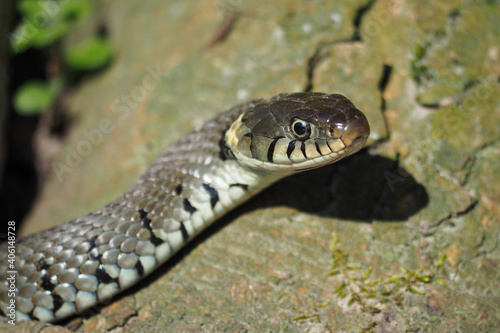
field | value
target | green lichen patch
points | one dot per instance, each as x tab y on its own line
467	53
369	295
472	122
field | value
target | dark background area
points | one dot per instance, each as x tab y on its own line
18	180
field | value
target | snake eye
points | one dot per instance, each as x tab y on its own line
301	129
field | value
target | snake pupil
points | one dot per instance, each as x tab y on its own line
301	129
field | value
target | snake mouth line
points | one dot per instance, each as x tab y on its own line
309	163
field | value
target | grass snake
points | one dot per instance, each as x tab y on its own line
72	267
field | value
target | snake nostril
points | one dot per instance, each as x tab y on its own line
335	131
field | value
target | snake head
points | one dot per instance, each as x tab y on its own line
296	132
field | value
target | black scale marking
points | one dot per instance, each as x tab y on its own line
42	265
328	145
104	277
140	268
32	316
146	223
290	149
189	207
214	195
303	149
58	302
178	190
185	234
47	283
142	213
92	241
317	148
270	150
94	250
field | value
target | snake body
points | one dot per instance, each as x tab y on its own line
70	268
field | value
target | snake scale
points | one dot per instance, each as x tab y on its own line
70	268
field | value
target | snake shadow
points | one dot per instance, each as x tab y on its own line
362	188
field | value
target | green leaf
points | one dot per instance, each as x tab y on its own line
46	21
43	12
22	36
33	97
75	11
29	8
93	53
49	34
